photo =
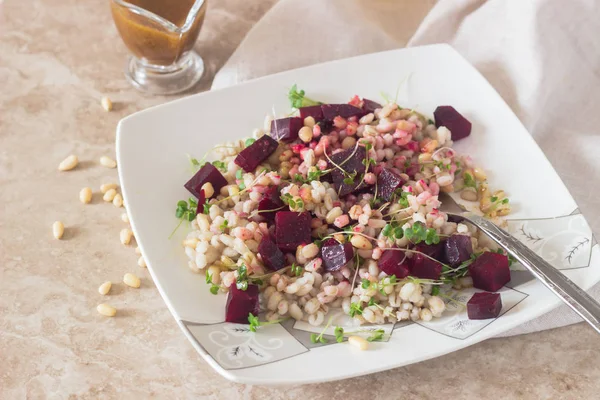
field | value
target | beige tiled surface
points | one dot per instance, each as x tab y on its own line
57	58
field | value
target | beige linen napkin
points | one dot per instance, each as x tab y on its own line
542	56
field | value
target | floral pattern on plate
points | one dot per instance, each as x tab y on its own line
234	346
565	242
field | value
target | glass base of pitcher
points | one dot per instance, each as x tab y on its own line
171	79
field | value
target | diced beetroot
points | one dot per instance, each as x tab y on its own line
208	173
335	256
272	257
490	271
425	268
201	201
394	262
257	152
432	250
447	116
292	229
286	129
352	162
387	183
311	111
330	111
370	106
484	305
458	249
270	201
241	303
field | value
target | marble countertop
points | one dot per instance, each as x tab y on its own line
57	59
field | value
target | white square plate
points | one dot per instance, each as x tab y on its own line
152	147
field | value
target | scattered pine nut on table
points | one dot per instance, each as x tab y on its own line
68	163
106	310
105	288
109	195
131	280
105	187
85	195
58	229
108	162
125	236
106	103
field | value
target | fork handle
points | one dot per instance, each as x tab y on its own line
552	278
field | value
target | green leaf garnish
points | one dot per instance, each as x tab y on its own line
298	99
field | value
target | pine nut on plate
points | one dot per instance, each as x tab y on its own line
68	163
359	342
131	280
58	229
106	310
108	162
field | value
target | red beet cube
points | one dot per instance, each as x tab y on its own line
272	257
241	303
292	229
432	250
208	173
394	262
330	111
257	152
336	255
270	203
352	163
490	271
458	249
311	111
286	129
425	268
387	183
370	106
450	118
484	305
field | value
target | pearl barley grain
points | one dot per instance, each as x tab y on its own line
131	280
105	288
85	195
106	310
68	163
108	162
58	229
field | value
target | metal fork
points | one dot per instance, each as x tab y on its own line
552	278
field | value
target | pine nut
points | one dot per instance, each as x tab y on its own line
125	236
469	194
106	310
68	163
131	280
361	243
359	342
479	175
305	134
108	162
106	104
109	195
105	187
85	195
125	217
209	191
58	229
138	251
142	262
105	288
118	200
